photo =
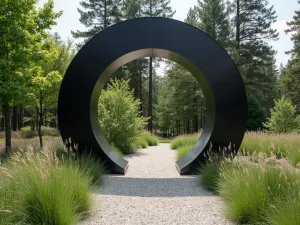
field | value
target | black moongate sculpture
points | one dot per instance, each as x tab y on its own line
226	104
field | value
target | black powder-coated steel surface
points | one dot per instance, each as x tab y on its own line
225	97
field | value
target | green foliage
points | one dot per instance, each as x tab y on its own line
283	117
256	114
184	140
280	145
22	30
96	16
147	139
212	16
180	102
38	188
157	8
183	150
253	54
119	116
253	194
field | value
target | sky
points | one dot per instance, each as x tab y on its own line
285	10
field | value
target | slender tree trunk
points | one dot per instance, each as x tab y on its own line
150	128
45	118
6	111
2	126
15	118
238	25
20	117
105	15
140	90
40	122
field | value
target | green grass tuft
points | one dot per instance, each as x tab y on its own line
184	140
40	188
181	152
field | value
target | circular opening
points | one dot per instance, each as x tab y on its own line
165	54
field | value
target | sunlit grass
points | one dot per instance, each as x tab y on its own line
184	140
40	188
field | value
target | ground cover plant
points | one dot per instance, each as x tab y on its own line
41	188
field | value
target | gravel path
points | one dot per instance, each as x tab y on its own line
152	192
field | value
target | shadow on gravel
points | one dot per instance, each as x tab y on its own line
152	187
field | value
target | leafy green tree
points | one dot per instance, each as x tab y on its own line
96	15
47	75
256	115
283	117
254	55
154	8
180	102
22	27
212	16
119	116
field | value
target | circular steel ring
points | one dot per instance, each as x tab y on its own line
223	88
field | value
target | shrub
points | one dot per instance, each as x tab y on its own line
283	117
184	140
142	142
119	116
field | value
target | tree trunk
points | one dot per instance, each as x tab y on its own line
40	122
15	118
6	111
150	128
21	117
140	91
238	25
2	126
45	118
105	14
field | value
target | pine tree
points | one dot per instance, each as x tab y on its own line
154	8
255	57
212	16
294	29
97	15
290	78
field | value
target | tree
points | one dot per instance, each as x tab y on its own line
256	114
119	116
212	16
254	56
283	117
97	15
47	76
154	8
290	78
22	26
180	107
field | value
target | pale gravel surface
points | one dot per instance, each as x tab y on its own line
152	192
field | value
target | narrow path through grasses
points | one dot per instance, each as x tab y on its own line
152	192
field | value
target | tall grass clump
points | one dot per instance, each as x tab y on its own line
184	140
147	139
182	151
39	188
252	192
